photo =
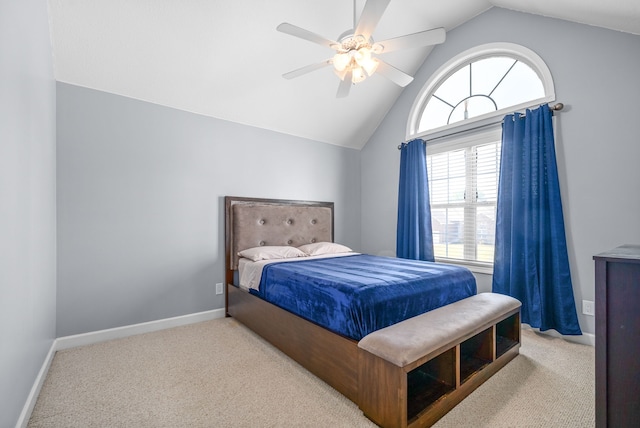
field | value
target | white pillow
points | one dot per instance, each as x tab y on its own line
319	248
272	252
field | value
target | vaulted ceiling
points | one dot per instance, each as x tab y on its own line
225	59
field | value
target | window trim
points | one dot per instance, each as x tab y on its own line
513	50
485	268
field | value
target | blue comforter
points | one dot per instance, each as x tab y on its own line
355	295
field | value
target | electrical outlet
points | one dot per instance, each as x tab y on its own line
219	288
588	307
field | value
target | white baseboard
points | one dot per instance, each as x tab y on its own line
583	339
23	420
76	340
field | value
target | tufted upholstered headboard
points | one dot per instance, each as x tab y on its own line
251	222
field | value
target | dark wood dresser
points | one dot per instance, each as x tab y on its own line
618	337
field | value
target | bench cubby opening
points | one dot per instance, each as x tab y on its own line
475	353
430	381
507	334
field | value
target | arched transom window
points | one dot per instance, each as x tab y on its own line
487	81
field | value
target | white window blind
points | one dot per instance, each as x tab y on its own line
463	189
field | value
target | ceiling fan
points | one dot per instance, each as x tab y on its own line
356	52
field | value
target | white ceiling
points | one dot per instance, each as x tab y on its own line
225	59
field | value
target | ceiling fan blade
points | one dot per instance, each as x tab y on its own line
345	85
371	14
307	69
293	30
398	77
423	38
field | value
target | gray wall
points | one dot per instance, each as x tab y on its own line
27	201
595	74
140	203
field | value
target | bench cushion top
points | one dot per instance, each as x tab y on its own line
412	339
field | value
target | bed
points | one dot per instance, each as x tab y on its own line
324	350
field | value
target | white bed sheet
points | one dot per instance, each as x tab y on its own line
250	272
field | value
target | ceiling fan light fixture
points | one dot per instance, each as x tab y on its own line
359	61
358	75
341	60
370	65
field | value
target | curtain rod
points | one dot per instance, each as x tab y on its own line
555	107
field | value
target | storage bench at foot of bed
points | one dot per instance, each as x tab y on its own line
412	373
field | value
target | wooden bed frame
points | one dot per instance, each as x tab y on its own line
464	354
331	357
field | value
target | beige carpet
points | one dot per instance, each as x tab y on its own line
219	374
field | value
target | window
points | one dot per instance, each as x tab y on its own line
458	112
463	186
